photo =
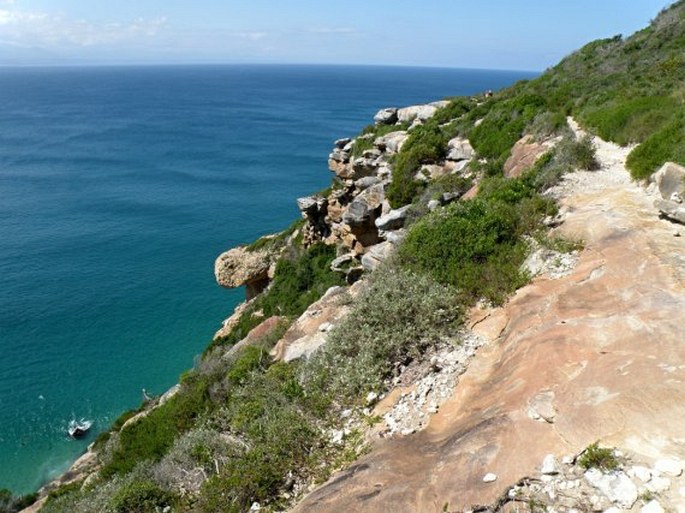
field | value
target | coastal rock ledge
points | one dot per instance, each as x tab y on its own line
239	266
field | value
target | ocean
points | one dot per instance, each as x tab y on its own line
119	186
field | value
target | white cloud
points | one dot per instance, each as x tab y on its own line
39	28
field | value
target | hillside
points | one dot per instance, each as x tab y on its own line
397	322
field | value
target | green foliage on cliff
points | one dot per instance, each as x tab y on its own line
302	277
426	144
395	320
12	504
477	245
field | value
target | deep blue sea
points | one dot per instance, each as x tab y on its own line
118	188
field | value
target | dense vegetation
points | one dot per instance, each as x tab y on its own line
244	428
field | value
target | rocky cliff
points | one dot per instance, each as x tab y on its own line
483	313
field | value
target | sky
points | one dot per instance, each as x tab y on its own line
495	34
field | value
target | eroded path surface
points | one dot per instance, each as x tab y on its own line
596	355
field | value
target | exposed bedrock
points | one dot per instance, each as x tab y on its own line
239	267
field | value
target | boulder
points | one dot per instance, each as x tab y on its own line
671	210
392	142
342	170
366	182
314	210
363	166
432	172
420	112
386	116
341	143
670	180
393	220
365	208
238	267
616	486
377	254
339	155
459	149
440	104
524	155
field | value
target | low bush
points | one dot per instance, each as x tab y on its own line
393	322
598	457
426	144
668	144
11	504
505	123
627	121
151	437
141	497
477	245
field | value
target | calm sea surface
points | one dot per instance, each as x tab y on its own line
118	189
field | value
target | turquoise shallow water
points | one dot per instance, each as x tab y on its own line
118	188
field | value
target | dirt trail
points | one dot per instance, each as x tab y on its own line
596	355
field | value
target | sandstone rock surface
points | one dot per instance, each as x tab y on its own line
524	155
238	267
601	349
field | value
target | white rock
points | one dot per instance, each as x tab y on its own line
659	484
549	465
617	487
612	509
669	467
567	460
642	473
489	477
652	507
255	507
682	491
371	397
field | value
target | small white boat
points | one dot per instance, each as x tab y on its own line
79	428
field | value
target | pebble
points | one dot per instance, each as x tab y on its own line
612	509
549	465
659	484
371	397
642	473
669	467
489	477
652	507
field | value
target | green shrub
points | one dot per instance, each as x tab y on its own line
505	123
598	457
141	497
632	120
394	320
151	437
668	144
476	245
12	504
548	124
426	144
456	108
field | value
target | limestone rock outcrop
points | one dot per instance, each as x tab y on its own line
386	116
239	266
